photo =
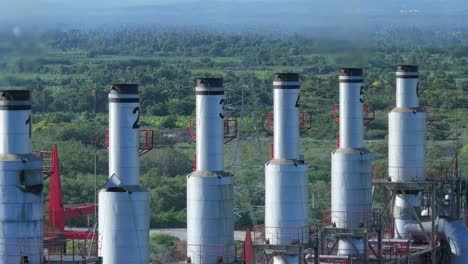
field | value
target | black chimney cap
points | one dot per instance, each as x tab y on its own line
407	68
286	77
210	82
15	95
351	72
124	88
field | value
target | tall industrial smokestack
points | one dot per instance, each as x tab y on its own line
286	179
123	203
210	226
21	182
351	164
407	145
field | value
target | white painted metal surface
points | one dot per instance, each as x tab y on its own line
286	202
210	220
15	120
210	124
286	118
406	145
351	111
210	223
123	203
407	86
124	114
124	226
286	175
21	201
351	164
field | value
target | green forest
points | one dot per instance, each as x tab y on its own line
70	73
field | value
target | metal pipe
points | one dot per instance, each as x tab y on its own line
124	116
21	182
210	219
123	203
452	231
286	115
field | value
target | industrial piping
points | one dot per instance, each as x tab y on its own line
286	178
452	231
351	164
21	182
407	146
123	203
210	223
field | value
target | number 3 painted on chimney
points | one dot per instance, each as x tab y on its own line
221	102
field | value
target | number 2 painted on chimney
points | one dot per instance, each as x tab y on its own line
136	125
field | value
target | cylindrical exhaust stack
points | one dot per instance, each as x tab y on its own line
210	124
407	145
210	221
286	178
351	109
21	182
286	116
351	164
124	114
123	203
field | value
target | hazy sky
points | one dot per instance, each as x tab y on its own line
268	13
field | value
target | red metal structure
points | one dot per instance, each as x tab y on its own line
230	130
305	119
247	253
58	212
369	116
146	140
230	133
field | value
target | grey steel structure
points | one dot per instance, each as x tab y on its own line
351	178
123	203
286	178
21	183
210	220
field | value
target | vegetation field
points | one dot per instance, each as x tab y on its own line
70	72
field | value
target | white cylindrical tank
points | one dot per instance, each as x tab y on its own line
210	220
351	169
286	202
286	175
123	203
407	145
21	183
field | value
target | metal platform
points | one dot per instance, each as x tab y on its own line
56	259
